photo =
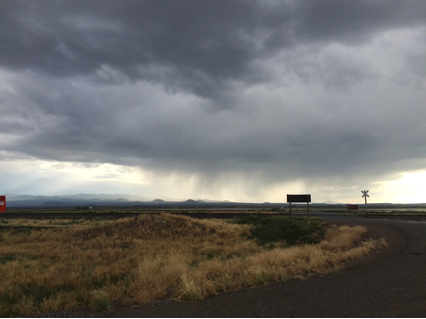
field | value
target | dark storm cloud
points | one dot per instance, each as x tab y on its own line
195	43
315	137
199	46
270	90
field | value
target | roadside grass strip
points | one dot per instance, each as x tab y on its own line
151	257
20	223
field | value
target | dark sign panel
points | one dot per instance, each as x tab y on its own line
300	198
2	204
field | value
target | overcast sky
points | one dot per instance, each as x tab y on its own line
237	100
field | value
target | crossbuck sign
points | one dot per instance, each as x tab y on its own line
365	195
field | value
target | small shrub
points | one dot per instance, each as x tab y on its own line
100	301
250	220
291	230
261	276
188	290
227	282
7	258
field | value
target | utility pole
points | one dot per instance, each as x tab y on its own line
365	195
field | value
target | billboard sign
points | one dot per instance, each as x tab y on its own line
300	198
2	204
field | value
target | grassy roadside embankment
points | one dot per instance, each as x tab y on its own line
151	257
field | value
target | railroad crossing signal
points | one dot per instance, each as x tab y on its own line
365	195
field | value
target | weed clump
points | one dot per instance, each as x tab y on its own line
100	301
188	290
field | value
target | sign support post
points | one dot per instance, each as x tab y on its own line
365	195
307	204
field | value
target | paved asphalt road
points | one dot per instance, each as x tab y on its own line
390	283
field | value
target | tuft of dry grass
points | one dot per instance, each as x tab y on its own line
152	257
100	301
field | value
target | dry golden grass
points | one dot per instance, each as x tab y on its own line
52	222
151	257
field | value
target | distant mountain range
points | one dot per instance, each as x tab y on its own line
124	200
